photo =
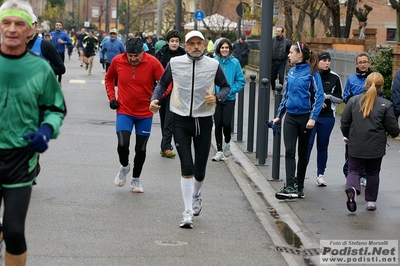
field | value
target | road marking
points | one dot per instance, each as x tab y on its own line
82	81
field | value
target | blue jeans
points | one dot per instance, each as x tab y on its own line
323	129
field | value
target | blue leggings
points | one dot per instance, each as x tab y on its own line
323	129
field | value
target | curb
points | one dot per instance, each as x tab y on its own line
241	164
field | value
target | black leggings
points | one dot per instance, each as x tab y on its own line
223	122
16	202
294	128
124	137
63	59
198	130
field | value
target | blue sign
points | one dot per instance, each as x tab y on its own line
199	15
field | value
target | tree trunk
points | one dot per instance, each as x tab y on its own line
288	19
334	8
300	25
351	6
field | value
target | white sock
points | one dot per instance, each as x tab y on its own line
187	191
196	186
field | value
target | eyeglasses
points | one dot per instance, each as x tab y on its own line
58	24
362	62
301	47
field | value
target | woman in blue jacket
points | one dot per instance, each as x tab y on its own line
224	110
302	102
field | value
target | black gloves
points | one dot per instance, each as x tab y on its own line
114	104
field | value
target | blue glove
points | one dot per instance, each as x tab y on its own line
40	138
275	127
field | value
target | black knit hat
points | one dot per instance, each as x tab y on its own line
324	56
134	46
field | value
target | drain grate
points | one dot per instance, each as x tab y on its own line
302	252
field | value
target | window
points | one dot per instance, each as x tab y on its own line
95	12
390	34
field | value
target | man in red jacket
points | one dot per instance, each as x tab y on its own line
137	72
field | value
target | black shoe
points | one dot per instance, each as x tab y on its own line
351	194
287	193
300	193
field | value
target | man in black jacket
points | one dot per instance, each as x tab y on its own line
45	50
168	51
280	51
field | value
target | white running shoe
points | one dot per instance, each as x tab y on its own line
363	181
227	149
136	185
197	204
320	181
187	221
120	179
219	156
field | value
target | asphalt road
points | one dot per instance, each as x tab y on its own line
77	215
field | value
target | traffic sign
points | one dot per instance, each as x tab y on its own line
247	29
199	15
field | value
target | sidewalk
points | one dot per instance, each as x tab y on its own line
323	215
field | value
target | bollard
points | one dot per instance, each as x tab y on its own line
276	152
262	133
252	106
239	136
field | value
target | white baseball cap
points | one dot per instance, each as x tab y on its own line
194	33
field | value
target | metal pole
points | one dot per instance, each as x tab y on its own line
252	104
178	18
107	17
127	21
159	17
239	136
116	16
276	152
262	133
265	71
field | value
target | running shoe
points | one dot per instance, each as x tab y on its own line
320	181
168	154
371	205
351	194
363	181
218	157
120	179
136	185
187	221
227	149
197	204
287	193
300	193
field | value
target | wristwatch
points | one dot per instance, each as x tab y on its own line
218	97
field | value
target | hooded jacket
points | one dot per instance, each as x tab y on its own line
234	74
367	137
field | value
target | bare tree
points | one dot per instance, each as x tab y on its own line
311	8
288	18
102	8
334	8
351	7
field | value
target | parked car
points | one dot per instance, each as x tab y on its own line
254	44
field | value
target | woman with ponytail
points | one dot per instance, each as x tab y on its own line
364	124
301	102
